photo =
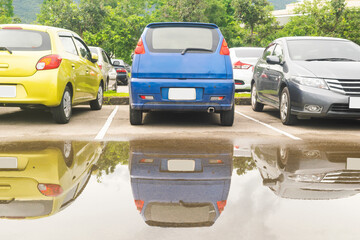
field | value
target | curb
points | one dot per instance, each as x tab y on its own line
125	101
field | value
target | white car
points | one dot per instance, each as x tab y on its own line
243	60
105	65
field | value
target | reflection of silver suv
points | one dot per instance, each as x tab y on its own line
310	171
104	63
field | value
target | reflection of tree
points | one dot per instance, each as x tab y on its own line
243	164
113	154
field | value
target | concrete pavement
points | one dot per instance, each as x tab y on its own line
248	126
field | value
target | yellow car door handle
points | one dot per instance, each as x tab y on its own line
5	187
73	66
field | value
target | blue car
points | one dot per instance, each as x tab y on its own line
182	184
182	67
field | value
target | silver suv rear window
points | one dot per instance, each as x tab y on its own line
249	52
24	40
176	39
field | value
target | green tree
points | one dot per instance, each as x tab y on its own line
6	8
60	13
243	164
253	13
89	15
7	12
122	28
114	153
324	18
92	15
219	12
180	10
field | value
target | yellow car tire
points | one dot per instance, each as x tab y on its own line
63	112
98	102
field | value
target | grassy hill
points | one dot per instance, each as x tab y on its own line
26	10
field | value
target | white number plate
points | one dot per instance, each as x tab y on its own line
7	91
182	94
354	102
181	165
8	163
353	164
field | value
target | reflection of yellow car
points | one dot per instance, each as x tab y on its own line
40	179
47	66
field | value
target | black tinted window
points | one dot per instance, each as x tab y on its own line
84	52
69	45
24	40
176	39
268	51
278	52
322	49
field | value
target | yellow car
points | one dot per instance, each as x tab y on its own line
46	66
39	179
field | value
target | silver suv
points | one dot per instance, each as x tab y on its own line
105	65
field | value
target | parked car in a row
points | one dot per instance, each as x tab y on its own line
243	60
307	77
105	65
182	67
48	67
122	77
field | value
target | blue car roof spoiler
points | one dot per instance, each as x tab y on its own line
195	24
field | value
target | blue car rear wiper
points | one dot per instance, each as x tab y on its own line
195	49
5	49
331	59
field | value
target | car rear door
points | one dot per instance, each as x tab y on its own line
89	73
20	50
275	75
72	58
263	77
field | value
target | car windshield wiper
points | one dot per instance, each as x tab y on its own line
331	59
5	49
195	49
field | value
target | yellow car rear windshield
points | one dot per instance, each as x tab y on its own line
24	40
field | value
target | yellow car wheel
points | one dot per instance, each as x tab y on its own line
98	102
62	113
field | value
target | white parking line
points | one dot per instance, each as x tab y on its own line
271	127
107	124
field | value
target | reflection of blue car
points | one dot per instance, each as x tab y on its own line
181	187
182	66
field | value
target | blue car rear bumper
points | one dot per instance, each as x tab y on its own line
159	90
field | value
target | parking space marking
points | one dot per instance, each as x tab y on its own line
269	126
107	124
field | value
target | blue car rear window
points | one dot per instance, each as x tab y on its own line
24	40
176	39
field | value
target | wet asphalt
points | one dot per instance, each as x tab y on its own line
135	189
